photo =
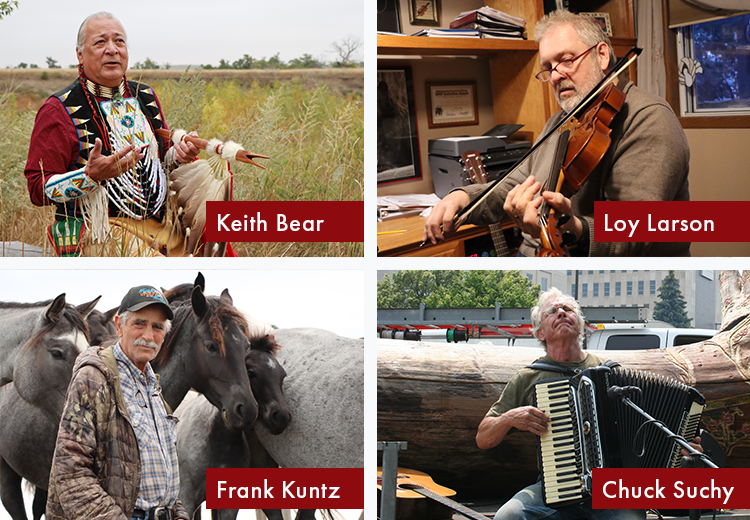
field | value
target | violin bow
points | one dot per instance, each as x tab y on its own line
622	64
242	155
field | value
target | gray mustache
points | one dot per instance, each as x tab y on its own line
144	343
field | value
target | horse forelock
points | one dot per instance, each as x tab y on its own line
265	343
219	313
70	313
223	314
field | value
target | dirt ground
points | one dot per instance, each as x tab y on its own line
33	86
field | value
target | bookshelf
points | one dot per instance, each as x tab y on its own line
421	46
504	69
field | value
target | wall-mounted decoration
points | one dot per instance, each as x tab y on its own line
424	12
398	140
388	18
603	20
452	104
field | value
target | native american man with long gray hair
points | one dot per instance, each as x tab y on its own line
96	155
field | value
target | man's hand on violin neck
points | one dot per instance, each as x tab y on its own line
440	221
562	204
522	205
100	167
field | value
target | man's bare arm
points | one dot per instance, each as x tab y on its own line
492	430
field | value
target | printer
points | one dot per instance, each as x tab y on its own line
447	168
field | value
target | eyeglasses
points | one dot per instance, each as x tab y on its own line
564	67
551	311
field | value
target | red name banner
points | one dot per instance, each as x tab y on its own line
285	488
726	488
693	221
267	221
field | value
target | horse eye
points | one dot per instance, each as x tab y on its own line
251	373
211	346
57	353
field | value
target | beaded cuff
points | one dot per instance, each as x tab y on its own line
69	186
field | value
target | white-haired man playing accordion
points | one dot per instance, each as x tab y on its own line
94	153
558	324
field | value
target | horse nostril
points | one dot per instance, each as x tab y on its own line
246	413
281	418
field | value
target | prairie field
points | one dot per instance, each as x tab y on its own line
309	121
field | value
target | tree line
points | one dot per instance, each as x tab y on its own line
482	289
345	50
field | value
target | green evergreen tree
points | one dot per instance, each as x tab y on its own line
671	305
455	289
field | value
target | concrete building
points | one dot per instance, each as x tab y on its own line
615	288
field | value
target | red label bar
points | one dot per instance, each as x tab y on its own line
305	221
285	488
726	488
694	221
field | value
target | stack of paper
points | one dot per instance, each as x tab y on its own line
490	23
394	206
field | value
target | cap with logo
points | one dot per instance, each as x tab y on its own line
142	296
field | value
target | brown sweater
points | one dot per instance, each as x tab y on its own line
648	160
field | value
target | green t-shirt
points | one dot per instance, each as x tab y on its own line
520	389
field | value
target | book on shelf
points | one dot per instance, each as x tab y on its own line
463	33
448	33
487	24
487	14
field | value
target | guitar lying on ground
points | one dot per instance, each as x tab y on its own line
412	484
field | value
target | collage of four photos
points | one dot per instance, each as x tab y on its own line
599	146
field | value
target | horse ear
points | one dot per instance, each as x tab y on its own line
225	296
198	301
200	281
55	308
110	314
85	308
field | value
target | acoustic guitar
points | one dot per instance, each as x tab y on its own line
478	175
413	484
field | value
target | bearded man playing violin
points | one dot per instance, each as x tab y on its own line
647	160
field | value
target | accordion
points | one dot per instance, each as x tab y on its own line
591	430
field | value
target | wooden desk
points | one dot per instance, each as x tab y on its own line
407	243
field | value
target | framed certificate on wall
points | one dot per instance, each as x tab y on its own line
452	104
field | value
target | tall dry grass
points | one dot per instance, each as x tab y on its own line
314	137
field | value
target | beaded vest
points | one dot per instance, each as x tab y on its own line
139	193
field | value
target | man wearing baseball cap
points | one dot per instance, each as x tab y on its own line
116	453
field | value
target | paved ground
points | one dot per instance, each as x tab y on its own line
20	249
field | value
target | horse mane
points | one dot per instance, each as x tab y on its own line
70	312
218	312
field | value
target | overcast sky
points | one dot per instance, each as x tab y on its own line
326	299
184	32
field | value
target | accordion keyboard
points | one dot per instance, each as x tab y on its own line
559	453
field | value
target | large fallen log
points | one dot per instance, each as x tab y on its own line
434	395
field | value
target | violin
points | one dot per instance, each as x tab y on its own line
585	147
